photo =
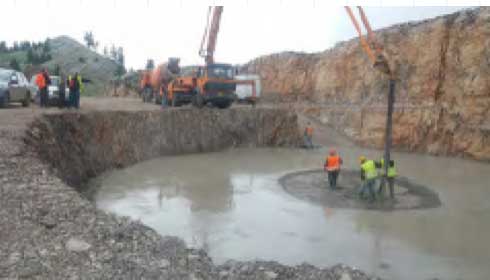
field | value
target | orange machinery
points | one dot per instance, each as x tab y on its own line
154	83
212	83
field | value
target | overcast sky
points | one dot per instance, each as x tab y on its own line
159	29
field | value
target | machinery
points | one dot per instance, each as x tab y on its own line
154	83
380	63
212	83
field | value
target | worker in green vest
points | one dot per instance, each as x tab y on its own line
369	174
390	177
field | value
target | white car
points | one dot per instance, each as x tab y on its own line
13	88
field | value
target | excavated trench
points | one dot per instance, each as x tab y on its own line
237	214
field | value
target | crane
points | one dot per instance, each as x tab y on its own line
211	34
212	83
375	54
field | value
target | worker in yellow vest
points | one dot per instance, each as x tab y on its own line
369	174
390	177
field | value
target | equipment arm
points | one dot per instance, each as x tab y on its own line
376	56
211	34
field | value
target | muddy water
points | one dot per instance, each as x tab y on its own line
230	204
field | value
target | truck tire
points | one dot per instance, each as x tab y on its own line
175	101
27	100
223	104
198	101
4	102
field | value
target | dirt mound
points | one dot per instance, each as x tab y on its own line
312	186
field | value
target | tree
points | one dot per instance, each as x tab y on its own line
57	70
150	64
46	46
113	53
15	47
14	64
3	47
30	56
88	37
120	56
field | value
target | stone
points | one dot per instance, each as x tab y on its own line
270	274
345	276
77	245
164	263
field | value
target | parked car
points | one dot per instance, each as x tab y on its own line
53	90
13	88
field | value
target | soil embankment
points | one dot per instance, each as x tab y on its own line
50	231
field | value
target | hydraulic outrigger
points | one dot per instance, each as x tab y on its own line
374	52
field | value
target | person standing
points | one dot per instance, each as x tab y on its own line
42	85
390	177
308	136
332	167
76	86
62	92
369	174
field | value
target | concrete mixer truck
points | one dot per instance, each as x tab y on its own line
154	83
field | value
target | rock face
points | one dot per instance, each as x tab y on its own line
81	146
442	93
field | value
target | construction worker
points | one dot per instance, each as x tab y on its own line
390	177
332	167
75	86
42	82
62	92
369	174
308	136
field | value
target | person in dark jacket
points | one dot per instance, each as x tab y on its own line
62	92
75	86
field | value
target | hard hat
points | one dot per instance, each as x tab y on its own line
362	158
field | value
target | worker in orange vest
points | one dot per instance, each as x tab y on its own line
308	136
42	82
332	167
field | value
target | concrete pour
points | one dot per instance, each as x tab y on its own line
312	186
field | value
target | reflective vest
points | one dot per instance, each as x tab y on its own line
391	169
369	169
333	163
309	131
40	81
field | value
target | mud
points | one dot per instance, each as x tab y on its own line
49	231
312	185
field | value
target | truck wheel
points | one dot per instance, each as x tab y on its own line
223	105
27	101
4	101
198	101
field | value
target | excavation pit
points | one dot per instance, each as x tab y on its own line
312	186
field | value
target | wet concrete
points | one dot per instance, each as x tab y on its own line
310	185
231	204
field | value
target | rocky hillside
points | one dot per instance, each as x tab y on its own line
442	94
70	56
75	57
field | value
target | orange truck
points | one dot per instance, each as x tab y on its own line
154	83
213	84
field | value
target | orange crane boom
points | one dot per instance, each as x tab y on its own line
211	34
